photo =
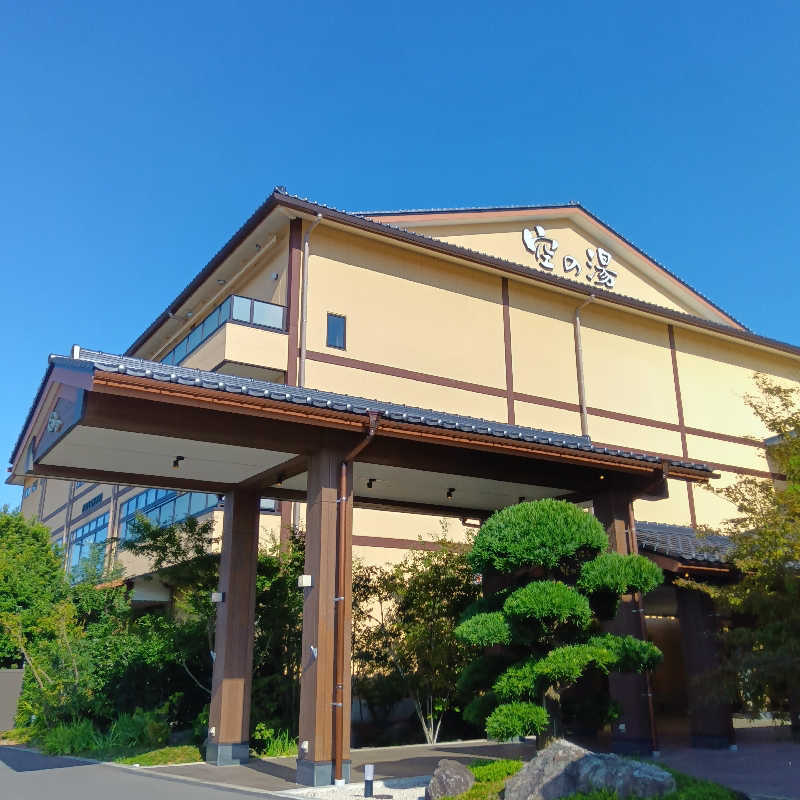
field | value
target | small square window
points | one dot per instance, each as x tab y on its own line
337	328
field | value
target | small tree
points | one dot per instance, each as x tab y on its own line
761	649
539	630
404	622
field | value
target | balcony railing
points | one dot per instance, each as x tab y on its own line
242	310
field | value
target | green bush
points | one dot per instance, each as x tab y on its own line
485	630
516	719
200	726
72	738
486	771
541	534
267	741
610	575
479	708
549	604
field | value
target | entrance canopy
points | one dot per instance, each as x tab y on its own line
113	419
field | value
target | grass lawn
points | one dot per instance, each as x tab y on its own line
181	754
491	776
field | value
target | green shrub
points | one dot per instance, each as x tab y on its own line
486	770
485	630
610	575
479	708
550	604
71	738
266	741
516	719
200	726
541	534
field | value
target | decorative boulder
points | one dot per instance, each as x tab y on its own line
564	768
449	778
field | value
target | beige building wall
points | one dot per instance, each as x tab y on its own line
428	332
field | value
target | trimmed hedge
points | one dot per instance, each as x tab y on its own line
516	719
539	534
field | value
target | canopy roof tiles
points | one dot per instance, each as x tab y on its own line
157	372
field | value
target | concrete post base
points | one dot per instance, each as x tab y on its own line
226	755
319	773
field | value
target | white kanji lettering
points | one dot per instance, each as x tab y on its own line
540	245
572	265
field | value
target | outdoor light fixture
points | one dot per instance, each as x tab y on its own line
279	482
303	581
370	483
189	314
221	281
602	477
176	464
521	498
450	492
217	597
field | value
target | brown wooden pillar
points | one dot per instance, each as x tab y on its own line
710	722
634	731
229	715
315	759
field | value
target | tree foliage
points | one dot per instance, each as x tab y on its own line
761	648
404	620
542	636
31	582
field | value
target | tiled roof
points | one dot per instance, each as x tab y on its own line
355	405
682	542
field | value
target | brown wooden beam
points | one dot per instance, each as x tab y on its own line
132	479
277	474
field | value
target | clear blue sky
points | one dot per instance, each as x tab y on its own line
135	140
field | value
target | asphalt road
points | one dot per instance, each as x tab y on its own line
26	775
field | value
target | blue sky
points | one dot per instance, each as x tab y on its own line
135	140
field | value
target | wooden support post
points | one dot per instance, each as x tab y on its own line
710	722
315	761
229	715
634	732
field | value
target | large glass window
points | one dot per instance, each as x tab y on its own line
81	541
164	507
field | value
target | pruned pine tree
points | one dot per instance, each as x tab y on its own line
549	583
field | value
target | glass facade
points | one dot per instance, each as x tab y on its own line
164	507
244	310
82	539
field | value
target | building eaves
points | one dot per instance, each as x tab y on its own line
306	206
682	542
361	406
280	196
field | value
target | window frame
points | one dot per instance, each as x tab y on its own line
343	318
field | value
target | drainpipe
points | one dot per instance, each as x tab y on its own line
579	366
301	372
338	601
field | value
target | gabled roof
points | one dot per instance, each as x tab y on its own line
568	208
682	542
304	207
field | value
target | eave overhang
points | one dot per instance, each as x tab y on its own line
119	420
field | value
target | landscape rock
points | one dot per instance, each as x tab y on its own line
449	778
564	768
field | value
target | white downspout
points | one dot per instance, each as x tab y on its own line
301	370
579	366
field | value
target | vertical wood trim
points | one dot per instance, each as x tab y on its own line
676	378
508	355
233	641
43	484
293	297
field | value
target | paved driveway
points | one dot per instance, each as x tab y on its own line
25	775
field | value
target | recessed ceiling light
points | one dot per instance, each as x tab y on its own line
450	492
189	314
176	464
221	281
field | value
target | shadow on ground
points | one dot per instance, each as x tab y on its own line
26	761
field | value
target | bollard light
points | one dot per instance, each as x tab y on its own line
369	775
